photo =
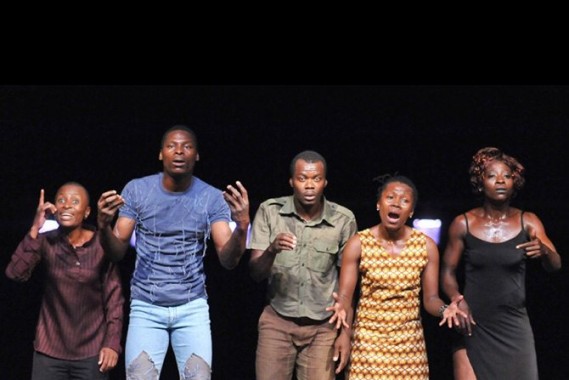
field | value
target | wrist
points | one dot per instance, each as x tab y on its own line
442	310
270	250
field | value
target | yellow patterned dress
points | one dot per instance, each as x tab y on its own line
388	338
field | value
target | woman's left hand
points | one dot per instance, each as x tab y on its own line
534	248
340	315
451	314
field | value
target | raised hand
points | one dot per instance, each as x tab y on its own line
108	205
43	210
238	201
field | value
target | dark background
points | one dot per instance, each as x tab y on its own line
103	136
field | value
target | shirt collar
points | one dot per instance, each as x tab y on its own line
288	208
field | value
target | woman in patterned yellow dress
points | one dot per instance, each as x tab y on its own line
395	262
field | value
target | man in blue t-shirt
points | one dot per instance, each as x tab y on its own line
173	213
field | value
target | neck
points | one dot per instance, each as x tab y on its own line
309	212
177	184
75	235
496	211
390	235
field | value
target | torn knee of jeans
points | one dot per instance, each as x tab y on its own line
196	369
142	368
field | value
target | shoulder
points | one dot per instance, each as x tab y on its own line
529	218
198	185
467	217
143	181
460	224
274	202
340	210
430	244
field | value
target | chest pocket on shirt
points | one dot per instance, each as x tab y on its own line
324	255
286	258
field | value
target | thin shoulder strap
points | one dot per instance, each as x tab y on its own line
466	220
522	219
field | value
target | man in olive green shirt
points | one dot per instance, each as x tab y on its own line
297	243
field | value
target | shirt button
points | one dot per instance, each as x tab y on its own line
77	263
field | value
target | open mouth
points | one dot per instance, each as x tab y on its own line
65	216
393	216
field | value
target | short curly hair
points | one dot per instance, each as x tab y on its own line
481	159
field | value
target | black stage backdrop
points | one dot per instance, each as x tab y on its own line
103	136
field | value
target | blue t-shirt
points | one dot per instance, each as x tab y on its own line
171	233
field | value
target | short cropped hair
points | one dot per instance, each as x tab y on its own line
180	127
73	183
308	156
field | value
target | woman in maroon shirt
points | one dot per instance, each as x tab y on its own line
79	329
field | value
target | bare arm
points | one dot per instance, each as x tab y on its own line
540	245
230	245
452	256
115	242
430	280
434	305
451	259
344	308
261	262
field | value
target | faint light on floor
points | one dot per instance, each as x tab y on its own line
431	227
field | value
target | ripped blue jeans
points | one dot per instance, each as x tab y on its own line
152	328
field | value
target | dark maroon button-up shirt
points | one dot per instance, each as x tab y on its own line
82	304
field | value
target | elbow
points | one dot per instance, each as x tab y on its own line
229	262
228	265
553	268
16	277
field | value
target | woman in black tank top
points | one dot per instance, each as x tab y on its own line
494	241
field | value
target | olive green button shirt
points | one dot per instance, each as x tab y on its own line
302	280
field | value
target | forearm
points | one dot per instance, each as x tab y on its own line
551	260
114	248
450	284
260	266
233	250
433	305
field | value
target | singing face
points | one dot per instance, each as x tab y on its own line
72	204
